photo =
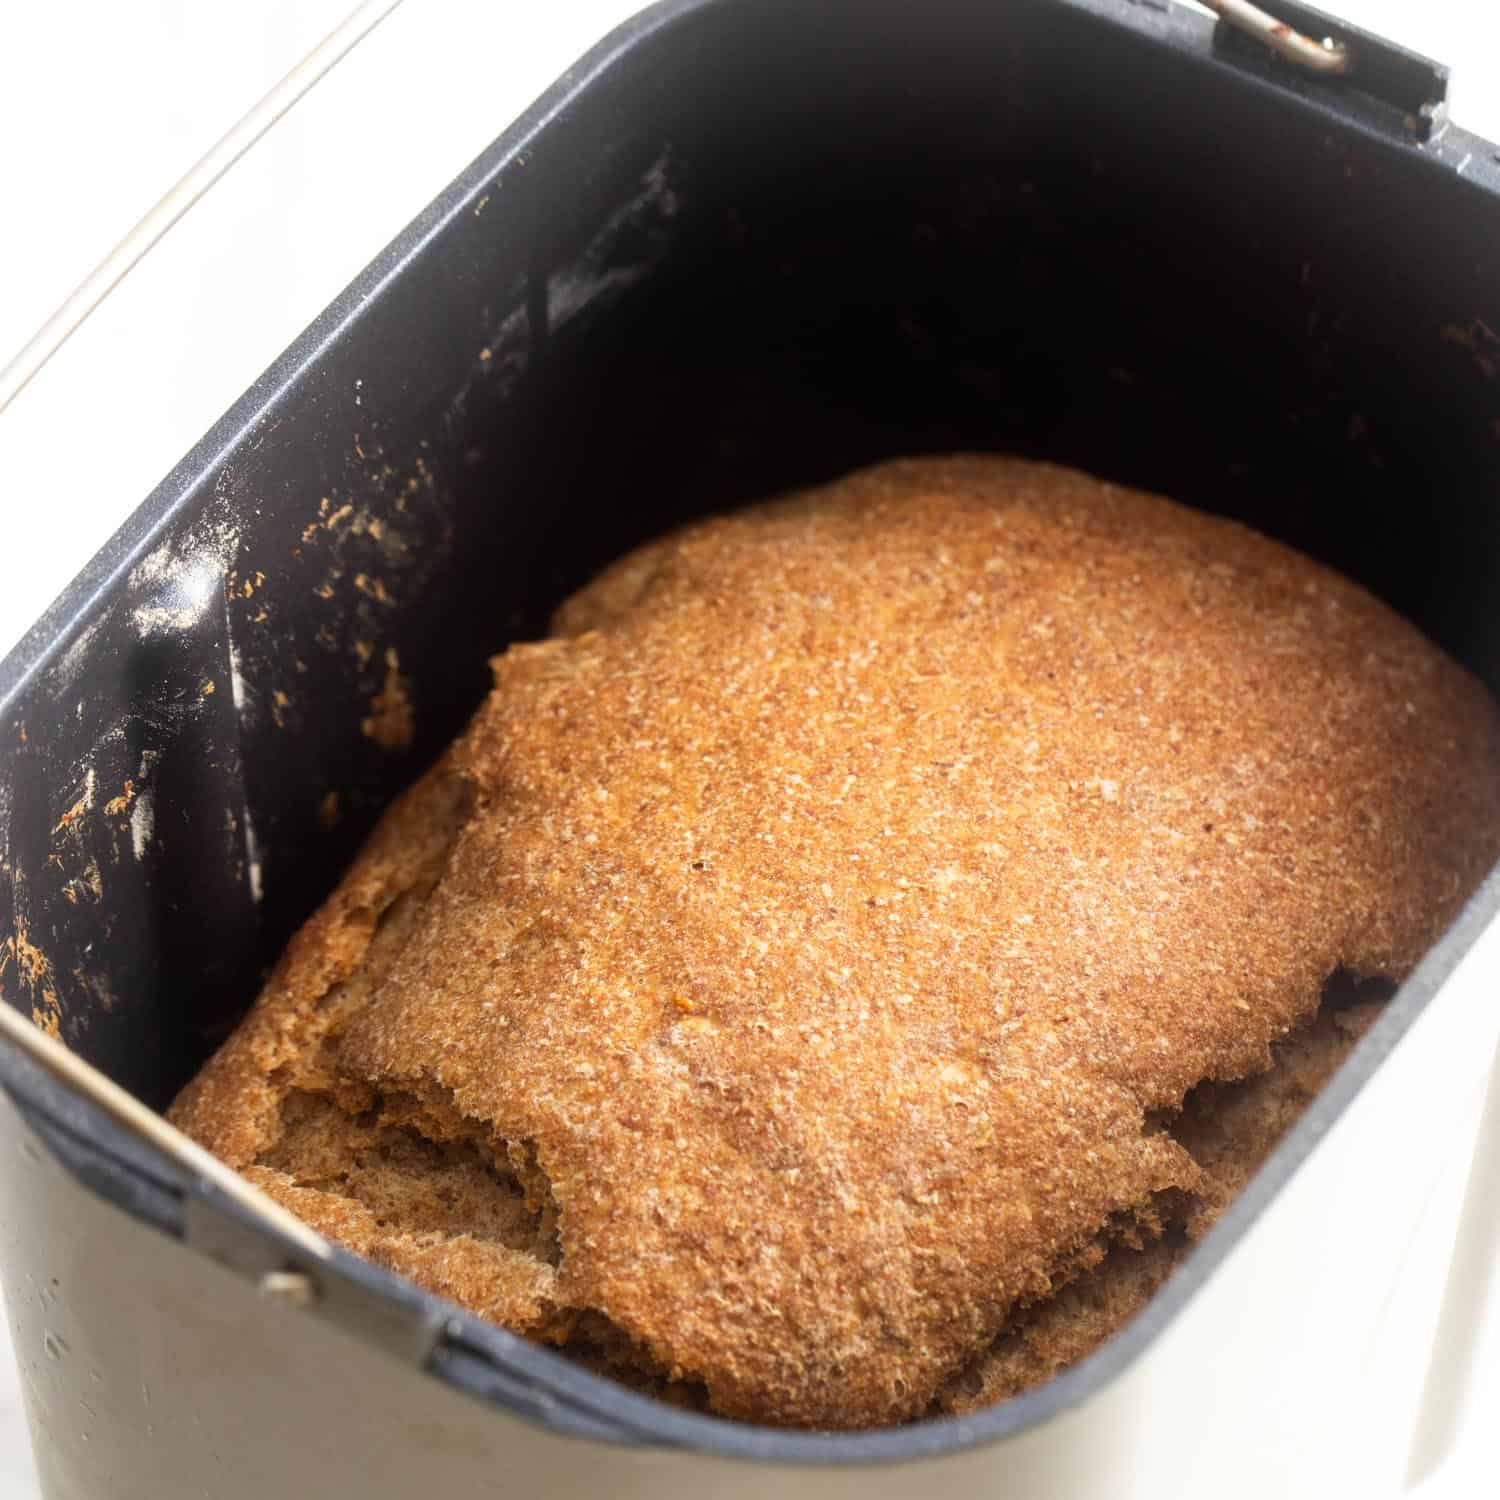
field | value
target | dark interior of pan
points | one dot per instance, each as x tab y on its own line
747	245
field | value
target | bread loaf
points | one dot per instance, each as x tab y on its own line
790	983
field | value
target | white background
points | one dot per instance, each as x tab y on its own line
103	106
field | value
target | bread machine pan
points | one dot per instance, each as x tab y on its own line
743	245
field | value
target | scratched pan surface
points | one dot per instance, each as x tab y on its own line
751	244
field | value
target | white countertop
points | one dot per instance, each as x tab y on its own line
109	104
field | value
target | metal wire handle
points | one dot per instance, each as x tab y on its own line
1328	57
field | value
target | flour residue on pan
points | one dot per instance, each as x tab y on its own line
631	243
623	251
178	582
65	672
142	822
255	870
238	690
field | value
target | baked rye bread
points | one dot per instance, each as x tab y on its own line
786	977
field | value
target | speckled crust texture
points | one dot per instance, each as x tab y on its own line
1230	1129
817	918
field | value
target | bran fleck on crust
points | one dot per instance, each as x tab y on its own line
799	941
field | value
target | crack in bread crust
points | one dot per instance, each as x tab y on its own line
1230	1129
821	926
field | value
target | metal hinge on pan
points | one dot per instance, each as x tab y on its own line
126	1154
404	1324
1295	44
